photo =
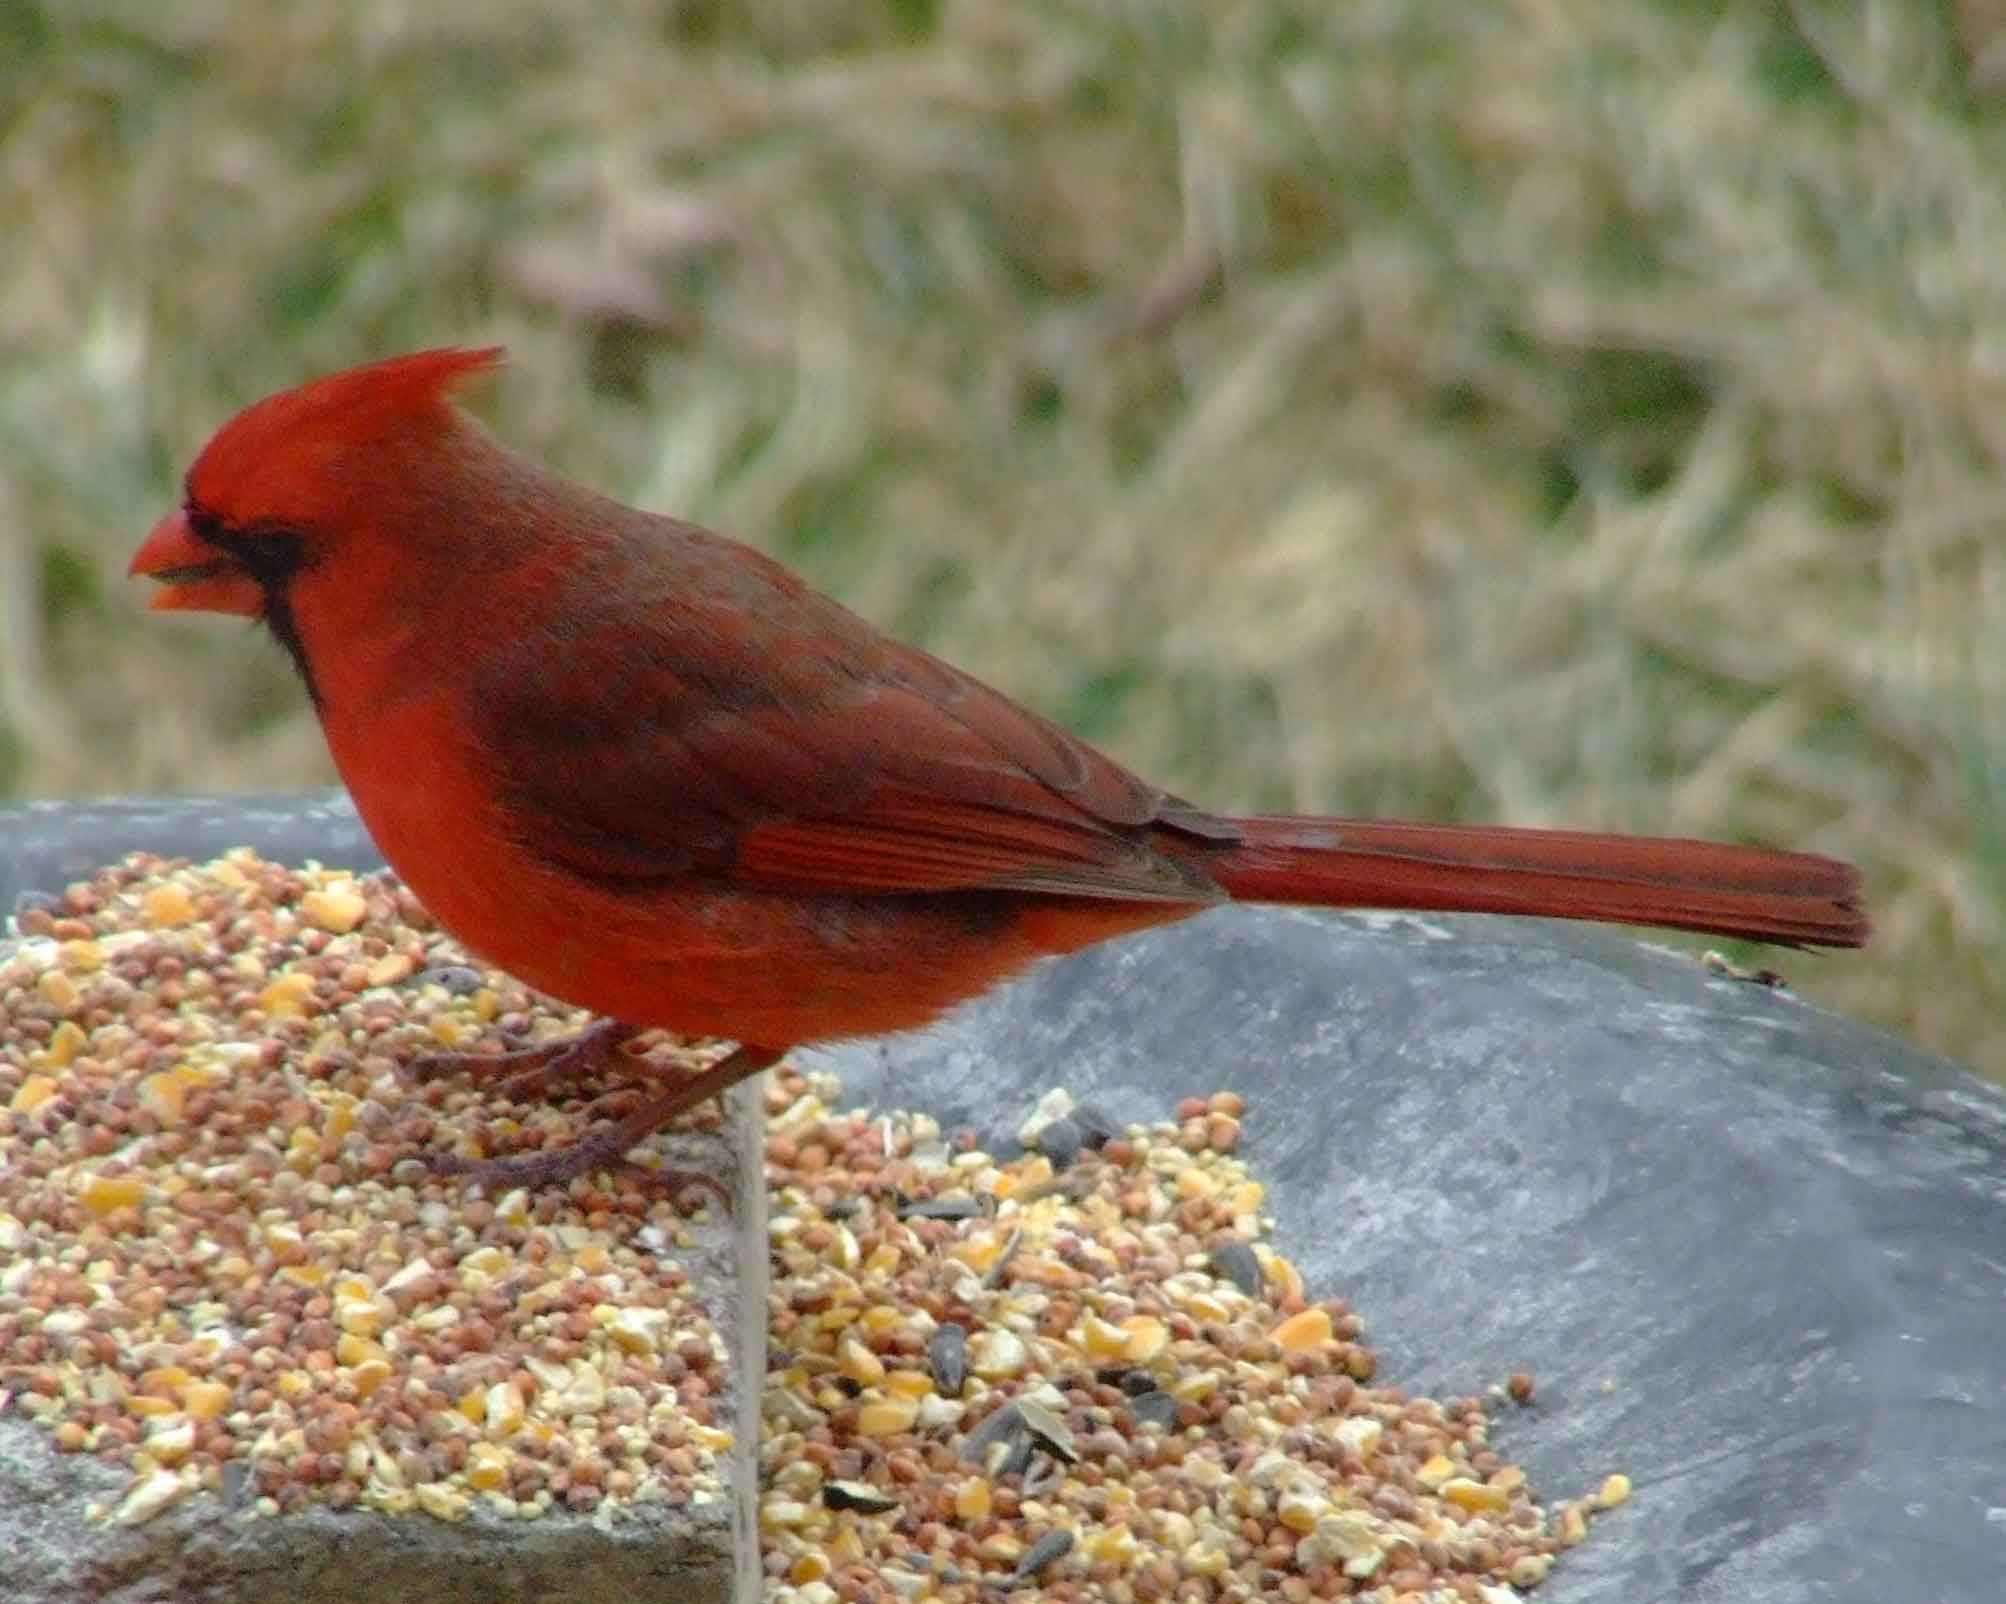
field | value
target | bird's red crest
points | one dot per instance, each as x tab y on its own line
276	454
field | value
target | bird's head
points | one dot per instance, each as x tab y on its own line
311	509
283	484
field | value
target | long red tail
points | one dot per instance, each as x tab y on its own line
1793	898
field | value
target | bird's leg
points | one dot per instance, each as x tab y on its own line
606	1148
532	1072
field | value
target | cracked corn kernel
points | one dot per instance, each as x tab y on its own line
336	908
106	1194
1304	1332
58	990
288	995
65	1042
1613	1491
1475	1496
163	1094
860	1364
1147	1337
32	1093
168	905
1435	1470
887	1415
972	1499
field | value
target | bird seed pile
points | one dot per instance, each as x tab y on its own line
1080	1374
223	1265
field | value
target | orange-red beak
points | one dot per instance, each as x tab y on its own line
193	575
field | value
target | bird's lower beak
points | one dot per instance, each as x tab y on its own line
193	575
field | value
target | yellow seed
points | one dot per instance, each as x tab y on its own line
390	969
1475	1496
1113	1545
1204	1306
293	1385
1437	1469
360	1316
979	1252
486	1003
1192	1182
32	1093
971	1499
65	1042
883	1260
783	1514
487	1466
336	908
369	1375
846	1547
880	1319
909	1383
712	1439
103	1194
163	1382
1203	1559
1147	1337
1280	1274
887	1416
1304	1332
638	1330
441	1501
352	1349
205	1400
998	1354
170	1439
505	1409
860	1364
1300	1511
341	1117
83	957
1572	1526
447	1031
288	996
142	1403
1529	1570
162	1095
1103	1339
810	1566
168	905
59	991
1196	1387
1613	1491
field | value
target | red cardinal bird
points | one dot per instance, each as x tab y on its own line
652	773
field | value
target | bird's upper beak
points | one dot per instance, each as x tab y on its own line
193	575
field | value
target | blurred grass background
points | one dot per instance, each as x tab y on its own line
1577	412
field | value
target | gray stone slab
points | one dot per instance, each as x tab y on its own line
1754	1254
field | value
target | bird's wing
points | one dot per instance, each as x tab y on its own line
776	740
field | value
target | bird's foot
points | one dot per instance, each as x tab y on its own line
607	1147
531	1073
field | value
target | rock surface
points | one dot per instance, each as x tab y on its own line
1755	1255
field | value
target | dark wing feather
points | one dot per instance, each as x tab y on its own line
695	711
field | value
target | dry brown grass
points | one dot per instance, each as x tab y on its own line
1579	411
